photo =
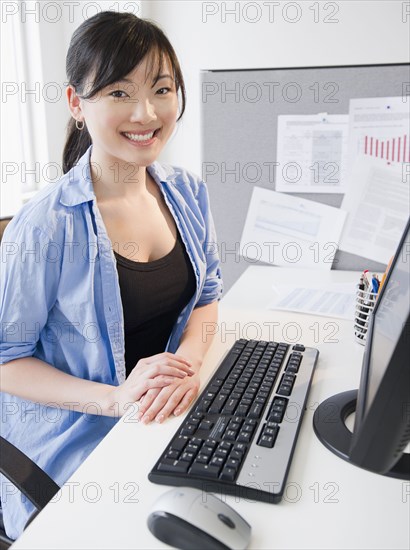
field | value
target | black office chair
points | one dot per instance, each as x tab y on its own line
31	480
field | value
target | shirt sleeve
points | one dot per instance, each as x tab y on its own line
30	270
213	286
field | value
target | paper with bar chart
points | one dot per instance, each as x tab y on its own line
377	199
379	127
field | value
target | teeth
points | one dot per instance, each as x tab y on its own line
135	137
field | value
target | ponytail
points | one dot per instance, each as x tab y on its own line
77	143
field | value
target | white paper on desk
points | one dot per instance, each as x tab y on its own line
336	300
312	153
379	128
378	206
285	230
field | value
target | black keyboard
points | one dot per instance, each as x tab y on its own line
240	434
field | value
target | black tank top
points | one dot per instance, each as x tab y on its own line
153	295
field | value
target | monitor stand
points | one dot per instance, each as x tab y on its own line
329	423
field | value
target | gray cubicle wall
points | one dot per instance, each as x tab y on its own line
239	128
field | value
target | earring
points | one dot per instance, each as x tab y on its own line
77	125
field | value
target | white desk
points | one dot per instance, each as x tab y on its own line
328	502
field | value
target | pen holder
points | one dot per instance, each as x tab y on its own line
365	302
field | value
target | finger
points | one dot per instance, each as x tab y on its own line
157	370
158	404
168	357
186	401
149	384
174	401
171	362
138	374
147	400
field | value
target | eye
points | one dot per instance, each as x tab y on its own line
167	90
118	94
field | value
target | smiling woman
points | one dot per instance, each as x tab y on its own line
116	317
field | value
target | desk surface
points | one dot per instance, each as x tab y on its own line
328	503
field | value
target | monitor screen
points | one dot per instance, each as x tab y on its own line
390	315
382	423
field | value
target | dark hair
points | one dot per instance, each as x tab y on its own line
107	47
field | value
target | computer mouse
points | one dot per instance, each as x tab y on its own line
191	519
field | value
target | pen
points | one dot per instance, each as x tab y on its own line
385	274
375	284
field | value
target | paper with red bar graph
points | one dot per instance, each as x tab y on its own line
377	197
379	127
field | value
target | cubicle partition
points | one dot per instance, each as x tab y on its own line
239	137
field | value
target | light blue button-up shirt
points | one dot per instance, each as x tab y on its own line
60	302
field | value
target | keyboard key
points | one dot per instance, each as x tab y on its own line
179	443
248	429
223	453
242	410
174	466
251	422
202	458
266	441
203	405
233	463
188	429
188	457
230	435
205	425
256	410
240	447
275	417
228	474
299	347
217	461
172	454
230	406
217	405
204	470
244	437
207	451
236	454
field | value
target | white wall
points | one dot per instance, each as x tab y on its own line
206	36
224	35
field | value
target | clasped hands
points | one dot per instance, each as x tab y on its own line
164	384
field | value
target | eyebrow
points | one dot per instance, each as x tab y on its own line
159	77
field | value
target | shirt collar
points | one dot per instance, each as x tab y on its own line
78	186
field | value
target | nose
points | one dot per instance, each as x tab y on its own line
143	111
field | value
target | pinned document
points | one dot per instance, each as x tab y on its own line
312	153
379	129
378	206
288	231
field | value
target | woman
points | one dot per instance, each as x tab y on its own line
110	274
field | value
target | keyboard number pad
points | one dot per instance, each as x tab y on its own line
270	429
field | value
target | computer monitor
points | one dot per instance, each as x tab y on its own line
382	402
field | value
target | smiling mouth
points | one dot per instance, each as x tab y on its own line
140	138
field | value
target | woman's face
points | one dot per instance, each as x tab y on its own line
122	117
